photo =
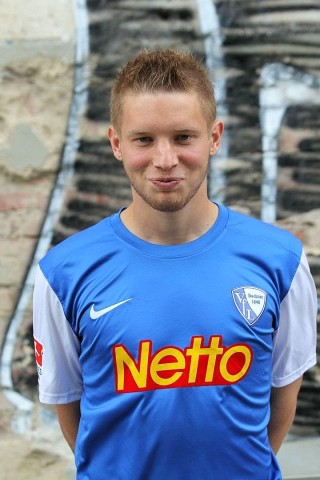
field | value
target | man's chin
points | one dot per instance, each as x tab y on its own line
167	205
165	202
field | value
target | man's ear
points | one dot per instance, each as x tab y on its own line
115	142
215	137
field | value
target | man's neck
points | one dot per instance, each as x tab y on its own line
170	228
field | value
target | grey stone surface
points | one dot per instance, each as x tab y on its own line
25	149
37	47
36	29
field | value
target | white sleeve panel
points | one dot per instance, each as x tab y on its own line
60	378
295	340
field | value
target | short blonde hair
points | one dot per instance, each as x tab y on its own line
162	71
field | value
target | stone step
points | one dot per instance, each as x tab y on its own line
299	117
310	145
307	175
99	164
97	147
299	199
299	159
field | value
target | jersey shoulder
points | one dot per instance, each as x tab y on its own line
76	248
267	235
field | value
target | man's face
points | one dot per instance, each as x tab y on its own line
165	144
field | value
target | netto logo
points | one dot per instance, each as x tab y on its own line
171	367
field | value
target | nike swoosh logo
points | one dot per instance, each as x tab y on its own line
94	314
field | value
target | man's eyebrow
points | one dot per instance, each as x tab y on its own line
178	131
187	130
137	132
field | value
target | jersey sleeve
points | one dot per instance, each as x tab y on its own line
294	345
56	347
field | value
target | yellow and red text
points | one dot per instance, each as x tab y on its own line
172	367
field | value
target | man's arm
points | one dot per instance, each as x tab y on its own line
69	417
283	403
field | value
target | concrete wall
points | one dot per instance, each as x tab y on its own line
37	49
37	43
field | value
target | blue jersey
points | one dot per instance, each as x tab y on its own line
173	349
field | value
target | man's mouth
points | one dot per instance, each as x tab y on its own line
167	183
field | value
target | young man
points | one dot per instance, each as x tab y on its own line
173	335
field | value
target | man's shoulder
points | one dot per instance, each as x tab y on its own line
77	247
263	233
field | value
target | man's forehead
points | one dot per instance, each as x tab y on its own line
180	110
132	95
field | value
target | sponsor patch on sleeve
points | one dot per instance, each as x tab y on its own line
38	350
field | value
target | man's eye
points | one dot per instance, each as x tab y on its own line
183	138
144	139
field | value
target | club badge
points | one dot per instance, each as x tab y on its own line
250	302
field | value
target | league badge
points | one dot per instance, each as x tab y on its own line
38	350
250	302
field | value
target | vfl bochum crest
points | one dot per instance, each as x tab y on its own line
250	302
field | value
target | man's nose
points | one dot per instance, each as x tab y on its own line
165	156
